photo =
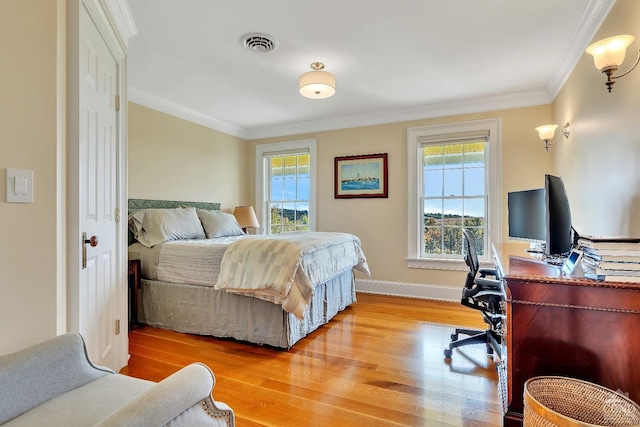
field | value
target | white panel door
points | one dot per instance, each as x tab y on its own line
98	173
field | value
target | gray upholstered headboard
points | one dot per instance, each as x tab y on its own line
137	204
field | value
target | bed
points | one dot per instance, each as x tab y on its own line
206	282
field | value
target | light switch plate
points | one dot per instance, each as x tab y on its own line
19	186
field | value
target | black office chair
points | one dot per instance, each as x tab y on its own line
484	294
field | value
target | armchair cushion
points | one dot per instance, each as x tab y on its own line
54	384
43	371
86	405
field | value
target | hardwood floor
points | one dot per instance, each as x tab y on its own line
378	363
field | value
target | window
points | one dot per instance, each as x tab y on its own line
288	201
454	183
453	196
285	183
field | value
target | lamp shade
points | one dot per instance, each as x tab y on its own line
317	84
246	217
546	132
609	52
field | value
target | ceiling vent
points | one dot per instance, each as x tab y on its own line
259	42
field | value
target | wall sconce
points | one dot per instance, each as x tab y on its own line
246	217
608	54
546	132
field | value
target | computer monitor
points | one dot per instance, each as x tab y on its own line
542	215
527	215
558	217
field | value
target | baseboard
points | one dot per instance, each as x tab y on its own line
411	290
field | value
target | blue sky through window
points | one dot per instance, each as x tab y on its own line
453	175
285	187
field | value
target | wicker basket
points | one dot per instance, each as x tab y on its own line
560	401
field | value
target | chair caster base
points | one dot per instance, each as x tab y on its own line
448	353
454	337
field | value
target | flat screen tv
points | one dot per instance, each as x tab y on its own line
527	215
558	224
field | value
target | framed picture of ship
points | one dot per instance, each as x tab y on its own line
361	176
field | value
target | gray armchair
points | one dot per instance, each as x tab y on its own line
54	383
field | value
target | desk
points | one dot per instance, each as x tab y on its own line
566	326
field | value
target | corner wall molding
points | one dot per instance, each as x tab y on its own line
594	15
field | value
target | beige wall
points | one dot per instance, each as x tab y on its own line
381	224
600	163
28	129
173	159
217	165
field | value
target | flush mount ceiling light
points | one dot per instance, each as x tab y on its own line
608	54
546	133
259	42
317	84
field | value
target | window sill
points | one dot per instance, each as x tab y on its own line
444	264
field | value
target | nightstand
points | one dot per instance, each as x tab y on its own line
134	287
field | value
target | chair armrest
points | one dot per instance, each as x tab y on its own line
489	284
189	389
488	272
483	285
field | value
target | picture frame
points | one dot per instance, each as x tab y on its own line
361	176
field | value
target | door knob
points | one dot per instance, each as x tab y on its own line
93	241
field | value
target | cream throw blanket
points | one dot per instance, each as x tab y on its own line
285	268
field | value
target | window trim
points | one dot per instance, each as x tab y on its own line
415	136
261	185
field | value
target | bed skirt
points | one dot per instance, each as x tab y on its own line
203	310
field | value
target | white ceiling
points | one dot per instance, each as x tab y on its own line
393	60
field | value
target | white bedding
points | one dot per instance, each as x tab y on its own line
285	268
194	262
304	261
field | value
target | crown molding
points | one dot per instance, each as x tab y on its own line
592	18
122	19
139	97
440	109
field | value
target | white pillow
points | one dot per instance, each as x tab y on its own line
152	226
219	224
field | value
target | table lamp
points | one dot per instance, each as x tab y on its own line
246	217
